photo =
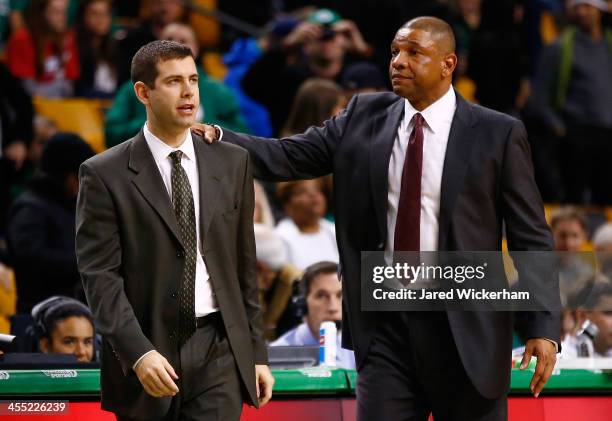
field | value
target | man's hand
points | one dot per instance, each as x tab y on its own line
354	40
304	33
206	131
546	354
17	152
155	374
264	382
6	274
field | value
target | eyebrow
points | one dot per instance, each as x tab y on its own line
179	76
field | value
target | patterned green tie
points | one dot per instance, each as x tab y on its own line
182	201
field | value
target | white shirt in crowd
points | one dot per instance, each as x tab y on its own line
304	249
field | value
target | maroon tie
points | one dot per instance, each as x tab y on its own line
408	223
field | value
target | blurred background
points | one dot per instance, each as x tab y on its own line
274	68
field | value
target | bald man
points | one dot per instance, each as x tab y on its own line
421	169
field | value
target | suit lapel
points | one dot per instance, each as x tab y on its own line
460	143
384	130
210	173
150	184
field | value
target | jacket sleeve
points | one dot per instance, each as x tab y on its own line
247	263
303	156
98	250
528	234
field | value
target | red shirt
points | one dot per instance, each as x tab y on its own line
21	58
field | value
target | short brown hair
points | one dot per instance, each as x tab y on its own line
569	213
314	271
144	62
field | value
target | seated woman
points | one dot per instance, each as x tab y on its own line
44	53
308	237
65	326
97	50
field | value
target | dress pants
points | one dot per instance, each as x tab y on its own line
209	383
413	369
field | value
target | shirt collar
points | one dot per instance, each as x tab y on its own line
438	114
304	335
161	150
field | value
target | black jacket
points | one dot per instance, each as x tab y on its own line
487	181
40	235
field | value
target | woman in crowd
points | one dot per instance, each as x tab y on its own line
97	50
44	53
308	237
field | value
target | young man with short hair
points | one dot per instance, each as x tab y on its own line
166	252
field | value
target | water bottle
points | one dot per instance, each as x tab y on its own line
585	337
328	344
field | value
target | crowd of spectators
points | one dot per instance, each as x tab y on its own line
548	62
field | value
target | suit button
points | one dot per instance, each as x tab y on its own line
174	295
172	335
381	246
180	253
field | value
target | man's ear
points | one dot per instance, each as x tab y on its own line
142	92
448	65
43	345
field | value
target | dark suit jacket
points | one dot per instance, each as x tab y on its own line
131	259
487	180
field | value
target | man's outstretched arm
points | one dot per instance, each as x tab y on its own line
303	156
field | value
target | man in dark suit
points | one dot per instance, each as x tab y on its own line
166	252
435	173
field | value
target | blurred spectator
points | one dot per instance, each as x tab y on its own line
570	233
602	242
43	130
307	236
569	229
41	226
97	50
8	297
263	213
44	53
315	47
594	304
573	92
163	12
217	103
64	325
16	113
275	278
242	53
315	101
362	78
321	293
495	54
464	20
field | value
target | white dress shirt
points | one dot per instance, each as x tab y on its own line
205	302
204	297
438	118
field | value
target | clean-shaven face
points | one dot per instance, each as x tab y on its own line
175	98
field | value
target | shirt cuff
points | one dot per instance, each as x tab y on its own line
220	132
554	343
141	357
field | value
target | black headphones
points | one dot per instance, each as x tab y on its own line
300	289
43	310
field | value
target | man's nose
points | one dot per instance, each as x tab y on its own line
79	351
398	62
